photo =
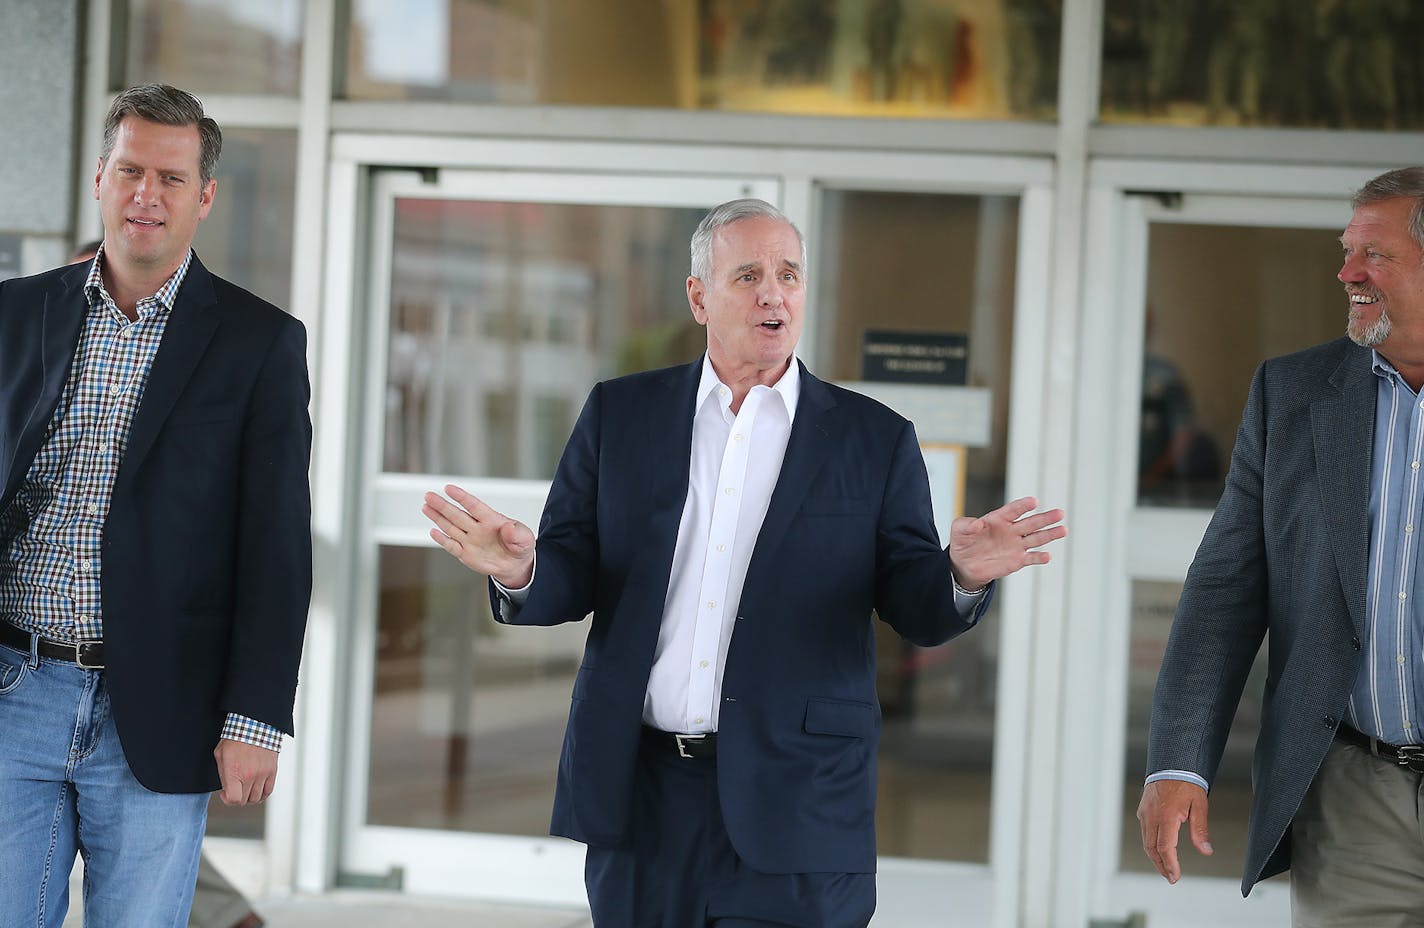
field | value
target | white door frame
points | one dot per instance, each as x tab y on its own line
1129	542
338	650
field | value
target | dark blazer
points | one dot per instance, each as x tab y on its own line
848	530
207	544
1285	558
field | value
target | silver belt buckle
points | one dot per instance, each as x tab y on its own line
683	741
81	651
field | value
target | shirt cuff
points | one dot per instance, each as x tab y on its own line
250	731
519	596
1186	775
966	600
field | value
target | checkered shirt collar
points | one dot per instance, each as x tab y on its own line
94	283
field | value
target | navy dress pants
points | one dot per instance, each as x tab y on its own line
679	869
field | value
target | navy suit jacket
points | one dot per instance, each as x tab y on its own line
1285	559
849	530
207	543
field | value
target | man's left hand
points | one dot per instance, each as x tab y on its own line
1000	542
248	772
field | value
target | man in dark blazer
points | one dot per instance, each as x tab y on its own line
1312	547
731	525
155	548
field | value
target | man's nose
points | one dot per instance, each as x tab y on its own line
1352	271
146	191
770	294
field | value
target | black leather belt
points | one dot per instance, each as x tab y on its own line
691	747
1409	756
87	654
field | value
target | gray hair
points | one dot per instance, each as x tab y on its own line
726	214
1393	185
167	106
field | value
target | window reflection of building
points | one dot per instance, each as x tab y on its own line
503	315
211	45
918	58
1335	63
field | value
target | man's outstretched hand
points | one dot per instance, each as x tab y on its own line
480	538
1000	542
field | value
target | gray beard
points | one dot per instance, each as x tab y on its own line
1369	336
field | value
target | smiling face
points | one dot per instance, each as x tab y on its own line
1383	275
151	197
752	301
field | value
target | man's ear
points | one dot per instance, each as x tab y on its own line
98	173
205	199
695	294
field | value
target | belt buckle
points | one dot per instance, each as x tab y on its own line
1410	756
683	741
82	649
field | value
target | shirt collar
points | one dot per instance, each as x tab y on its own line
788	386
94	283
1381	366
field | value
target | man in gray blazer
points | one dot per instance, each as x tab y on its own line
1314	547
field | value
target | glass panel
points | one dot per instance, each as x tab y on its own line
936	753
1328	63
1153	605
247	238
504	315
1220	299
216	46
467	714
909	58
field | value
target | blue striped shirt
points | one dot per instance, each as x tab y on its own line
1389	691
51	535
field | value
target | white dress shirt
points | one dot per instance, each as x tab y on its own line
736	458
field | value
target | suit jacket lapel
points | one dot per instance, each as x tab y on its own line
807	450
61	320
190	327
1342	425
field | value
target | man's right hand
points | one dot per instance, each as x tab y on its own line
1165	805
480	538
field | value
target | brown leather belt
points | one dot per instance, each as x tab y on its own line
86	654
690	747
1409	756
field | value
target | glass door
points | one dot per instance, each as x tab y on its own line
1199	289
496	300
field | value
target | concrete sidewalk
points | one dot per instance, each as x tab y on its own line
364	909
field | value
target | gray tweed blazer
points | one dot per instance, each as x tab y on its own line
1284	559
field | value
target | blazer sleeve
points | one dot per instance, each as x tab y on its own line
914	591
1221	617
566	551
274	560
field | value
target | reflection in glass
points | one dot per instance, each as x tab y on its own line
1153	605
909	58
247	237
1221	299
886	259
216	46
467	714
504	315
1327	63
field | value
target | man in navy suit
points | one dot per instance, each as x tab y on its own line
155	546
731	525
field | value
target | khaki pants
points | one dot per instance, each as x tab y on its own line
1357	845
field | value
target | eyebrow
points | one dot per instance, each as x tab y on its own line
176	172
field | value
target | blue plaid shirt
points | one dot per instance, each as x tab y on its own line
51	536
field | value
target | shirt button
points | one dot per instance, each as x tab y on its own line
1409	529
115	390
92	509
84	566
101	448
702	664
1399	659
737	437
1413	465
1408	725
698	721
711	604
729	491
721	547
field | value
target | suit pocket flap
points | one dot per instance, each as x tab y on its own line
837	717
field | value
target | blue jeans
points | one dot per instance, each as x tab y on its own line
65	787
